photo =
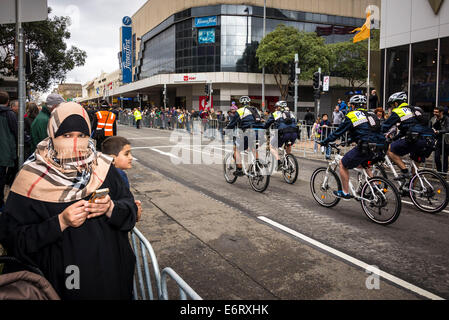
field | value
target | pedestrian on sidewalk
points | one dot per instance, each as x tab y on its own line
48	222
8	138
326	130
337	116
316	134
309	119
119	148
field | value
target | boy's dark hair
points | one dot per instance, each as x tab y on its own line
4	97
113	145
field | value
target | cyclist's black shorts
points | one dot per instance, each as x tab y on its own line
418	150
355	158
249	137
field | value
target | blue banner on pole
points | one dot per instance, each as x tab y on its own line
127	50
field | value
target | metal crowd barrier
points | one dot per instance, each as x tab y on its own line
143	283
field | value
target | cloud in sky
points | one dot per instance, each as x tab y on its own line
95	29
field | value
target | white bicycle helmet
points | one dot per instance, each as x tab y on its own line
358	100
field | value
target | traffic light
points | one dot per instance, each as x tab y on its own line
316	81
291	91
316	94
292	72
206	89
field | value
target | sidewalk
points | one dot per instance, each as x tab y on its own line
225	254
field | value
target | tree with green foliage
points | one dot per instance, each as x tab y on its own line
277	50
45	42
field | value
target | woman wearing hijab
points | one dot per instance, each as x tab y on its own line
82	248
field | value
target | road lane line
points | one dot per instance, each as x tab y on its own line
165	153
354	261
408	202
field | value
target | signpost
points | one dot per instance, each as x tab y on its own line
18	11
326	80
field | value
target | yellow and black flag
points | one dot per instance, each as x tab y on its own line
364	31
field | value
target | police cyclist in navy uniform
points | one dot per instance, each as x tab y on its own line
287	131
414	138
245	118
364	129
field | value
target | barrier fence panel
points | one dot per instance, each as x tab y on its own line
185	290
143	284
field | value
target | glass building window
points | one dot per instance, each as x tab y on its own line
444	73
397	70
424	74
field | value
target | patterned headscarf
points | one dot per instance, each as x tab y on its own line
63	169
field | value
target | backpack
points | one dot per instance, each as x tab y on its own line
287	118
419	115
373	121
256	115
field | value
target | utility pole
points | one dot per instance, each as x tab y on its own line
21	83
317	90
165	96
263	68
296	84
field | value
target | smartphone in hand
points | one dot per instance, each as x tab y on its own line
100	193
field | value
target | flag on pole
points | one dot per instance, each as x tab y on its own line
364	31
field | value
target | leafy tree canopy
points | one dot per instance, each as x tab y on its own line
45	42
277	50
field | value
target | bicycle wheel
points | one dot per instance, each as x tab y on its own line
258	178
430	193
229	167
381	201
290	170
323	183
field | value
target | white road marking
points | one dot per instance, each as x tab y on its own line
408	202
165	153
147	138
354	261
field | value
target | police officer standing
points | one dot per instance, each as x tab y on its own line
104	124
364	128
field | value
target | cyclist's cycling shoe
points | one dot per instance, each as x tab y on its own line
403	176
239	172
342	195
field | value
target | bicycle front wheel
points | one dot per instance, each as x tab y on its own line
429	191
290	170
381	201
323	183
258	177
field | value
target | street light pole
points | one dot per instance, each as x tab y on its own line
263	68
21	83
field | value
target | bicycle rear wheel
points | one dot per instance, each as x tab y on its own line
290	171
258	177
383	202
229	167
323	184
430	193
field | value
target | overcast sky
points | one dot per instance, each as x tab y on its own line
95	29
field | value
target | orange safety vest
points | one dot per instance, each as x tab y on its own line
106	120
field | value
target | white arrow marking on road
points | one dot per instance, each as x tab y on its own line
165	153
352	260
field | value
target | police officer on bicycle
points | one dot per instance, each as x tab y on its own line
287	131
245	118
414	137
364	129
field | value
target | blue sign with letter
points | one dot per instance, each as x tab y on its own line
127	50
206	35
127	21
206	21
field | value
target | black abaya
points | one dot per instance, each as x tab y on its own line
99	248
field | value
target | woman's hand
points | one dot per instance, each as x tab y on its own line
73	216
100	207
139	209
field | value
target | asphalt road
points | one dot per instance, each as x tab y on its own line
414	248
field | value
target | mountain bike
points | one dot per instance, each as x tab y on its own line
379	198
427	189
253	168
